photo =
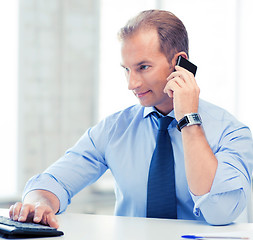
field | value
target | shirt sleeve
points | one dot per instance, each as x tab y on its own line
81	165
232	183
49	183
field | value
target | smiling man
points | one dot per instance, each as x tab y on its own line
147	69
211	158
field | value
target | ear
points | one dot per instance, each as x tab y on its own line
183	54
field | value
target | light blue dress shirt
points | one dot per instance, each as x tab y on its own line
124	143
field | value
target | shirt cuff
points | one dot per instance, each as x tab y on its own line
47	182
198	200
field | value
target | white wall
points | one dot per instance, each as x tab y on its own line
8	95
58	77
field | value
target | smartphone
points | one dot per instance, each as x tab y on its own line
182	62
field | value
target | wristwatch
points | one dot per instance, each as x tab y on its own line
188	120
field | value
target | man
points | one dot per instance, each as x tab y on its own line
212	160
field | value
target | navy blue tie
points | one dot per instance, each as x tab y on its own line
161	193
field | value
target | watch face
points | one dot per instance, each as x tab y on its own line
194	118
188	120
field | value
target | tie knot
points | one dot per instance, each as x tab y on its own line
163	122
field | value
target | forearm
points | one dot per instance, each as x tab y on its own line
200	162
43	197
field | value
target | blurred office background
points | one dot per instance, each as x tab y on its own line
60	74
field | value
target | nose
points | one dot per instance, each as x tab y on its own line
134	81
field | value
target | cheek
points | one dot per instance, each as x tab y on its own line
159	83
157	80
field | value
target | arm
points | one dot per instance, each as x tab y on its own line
38	206
219	177
60	182
200	162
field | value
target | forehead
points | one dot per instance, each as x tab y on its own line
141	45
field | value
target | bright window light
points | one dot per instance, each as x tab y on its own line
8	96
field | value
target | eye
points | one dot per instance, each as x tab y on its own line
144	67
125	69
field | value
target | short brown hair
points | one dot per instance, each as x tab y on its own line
172	33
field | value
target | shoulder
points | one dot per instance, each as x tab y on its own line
219	122
121	119
128	114
215	113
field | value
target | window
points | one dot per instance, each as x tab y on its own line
8	96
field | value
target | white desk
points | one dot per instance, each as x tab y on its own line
98	227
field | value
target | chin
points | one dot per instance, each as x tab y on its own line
146	104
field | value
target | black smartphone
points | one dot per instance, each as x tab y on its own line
182	62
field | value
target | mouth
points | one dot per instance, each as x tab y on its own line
142	94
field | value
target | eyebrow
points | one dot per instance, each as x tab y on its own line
142	63
138	64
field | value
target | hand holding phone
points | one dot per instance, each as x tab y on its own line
183	89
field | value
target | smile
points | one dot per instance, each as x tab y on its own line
142	94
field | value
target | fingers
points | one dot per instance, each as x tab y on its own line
182	77
21	212
38	213
52	221
180	81
45	215
14	211
26	213
182	87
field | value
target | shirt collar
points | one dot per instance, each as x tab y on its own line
148	110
